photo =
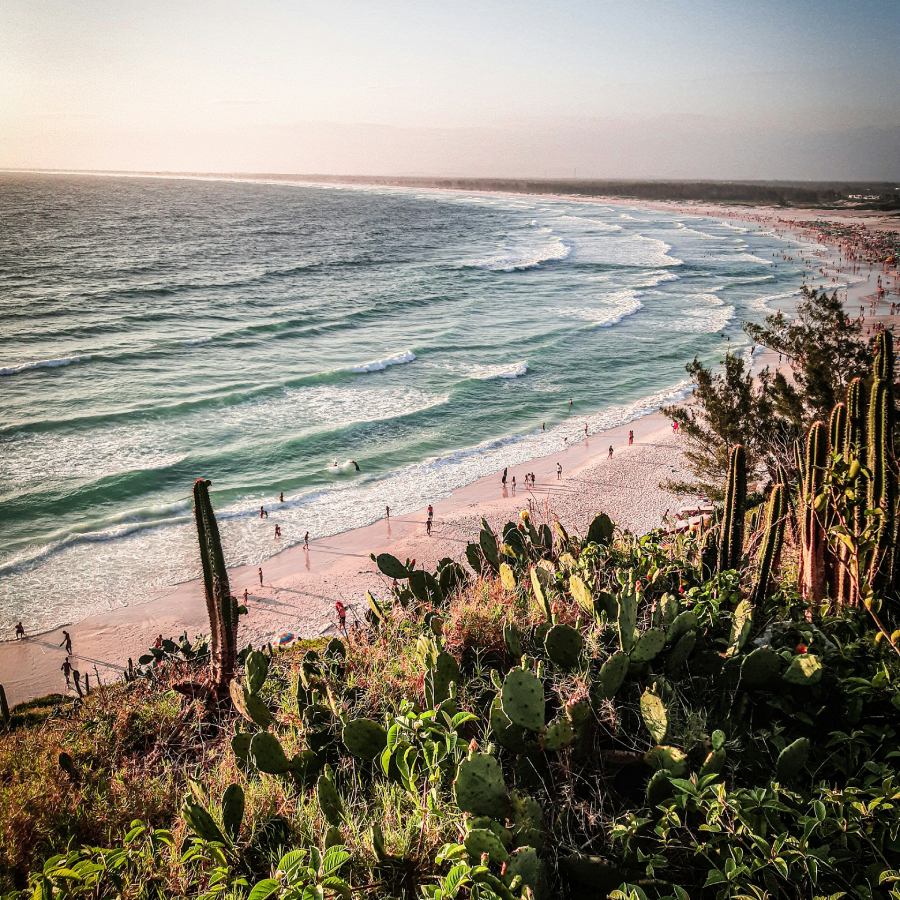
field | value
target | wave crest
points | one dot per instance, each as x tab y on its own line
378	365
43	364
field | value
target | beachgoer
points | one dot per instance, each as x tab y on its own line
355	463
341	611
503	478
67	643
278	531
675	428
543	426
260	574
514	484
66	669
387	512
558	471
157	644
570	404
565	442
630	438
20	631
246	595
306	541
610	452
585	429
281	497
428	526
430	512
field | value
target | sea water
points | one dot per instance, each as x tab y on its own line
153	331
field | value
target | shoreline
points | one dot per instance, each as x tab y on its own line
300	586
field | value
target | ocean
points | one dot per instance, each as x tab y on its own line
157	330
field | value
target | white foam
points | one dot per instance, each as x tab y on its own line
762	303
202	340
42	364
621	304
703	234
488	373
513	258
378	365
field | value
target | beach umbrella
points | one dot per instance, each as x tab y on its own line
285	639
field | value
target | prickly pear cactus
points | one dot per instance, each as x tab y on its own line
330	800
628	608
659	788
507	577
200	821
714	763
525	864
391	566
528	821
480	788
563	644
681	625
512	639
523	699
610	677
482	840
581	594
655	717
741	625
540	585
792	759
679	654
233	810
240	746
601	530
804	671
506	734
249	705
669	758
761	669
267	754
488	543
364	738
257	669
648	646
559	734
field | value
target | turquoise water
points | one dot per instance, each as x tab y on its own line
153	331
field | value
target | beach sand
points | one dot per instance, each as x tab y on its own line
300	587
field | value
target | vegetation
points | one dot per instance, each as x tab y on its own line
710	714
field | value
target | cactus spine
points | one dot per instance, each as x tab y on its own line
812	536
776	509
731	541
221	607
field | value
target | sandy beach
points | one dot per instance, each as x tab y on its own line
300	587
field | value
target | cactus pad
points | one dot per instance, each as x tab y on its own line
648	645
659	788
792	759
523	699
364	738
507	577
257	669
512	640
249	705
200	821
563	644
805	670
741	623
525	864
330	801
488	543
559	734
391	566
507	735
240	746
600	530
480	789
581	594
528	821
610	678
761	668
714	763
267	754
482	840
628	608
655	716
578	712
539	584
679	654
233	810
682	624
669	758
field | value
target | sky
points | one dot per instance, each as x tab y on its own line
557	88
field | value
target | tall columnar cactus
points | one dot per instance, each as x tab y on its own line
855	436
776	510
838	427
881	464
221	607
884	356
731	541
812	534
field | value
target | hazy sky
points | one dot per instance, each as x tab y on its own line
632	88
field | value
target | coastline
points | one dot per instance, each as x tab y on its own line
300	587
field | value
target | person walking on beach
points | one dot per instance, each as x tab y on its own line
502	480
306	541
387	513
66	669
67	643
20	631
262	513
610	452
260	575
278	531
630	438
585	429
341	611
246	595
558	471
428	526
514	485
157	644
